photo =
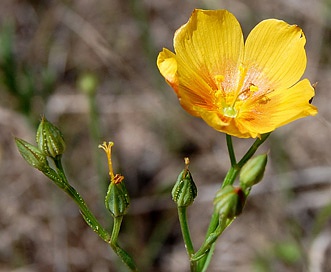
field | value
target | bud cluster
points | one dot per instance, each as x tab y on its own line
50	143
230	200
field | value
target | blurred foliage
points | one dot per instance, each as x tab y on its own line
23	81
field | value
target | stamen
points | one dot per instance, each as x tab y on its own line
253	88
219	79
219	94
242	75
264	100
118	178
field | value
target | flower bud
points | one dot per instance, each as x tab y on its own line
252	172
50	139
229	201
184	192
32	155
117	199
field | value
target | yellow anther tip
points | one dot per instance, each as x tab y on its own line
219	78
253	88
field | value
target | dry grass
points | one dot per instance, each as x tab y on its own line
41	229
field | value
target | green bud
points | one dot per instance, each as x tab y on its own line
184	192
252	172
32	155
50	139
117	199
229	201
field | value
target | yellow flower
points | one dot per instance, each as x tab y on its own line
241	88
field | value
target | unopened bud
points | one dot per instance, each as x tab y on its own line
252	172
50	139
185	191
32	155
117	199
229	201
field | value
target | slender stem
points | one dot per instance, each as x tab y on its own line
207	259
85	211
214	221
224	225
116	229
210	241
126	258
253	149
229	179
231	175
87	215
93	223
182	215
231	150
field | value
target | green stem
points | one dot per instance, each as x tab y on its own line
253	149
85	211
87	215
186	235
207	259
231	175
229	179
224	224
209	241
231	150
214	221
126	258
93	223
116	229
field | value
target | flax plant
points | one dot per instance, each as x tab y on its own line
244	89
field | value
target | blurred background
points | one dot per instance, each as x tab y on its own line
49	52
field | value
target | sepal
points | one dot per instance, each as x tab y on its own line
184	191
32	155
117	200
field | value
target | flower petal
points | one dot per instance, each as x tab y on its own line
276	109
274	55
209	44
167	64
222	124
